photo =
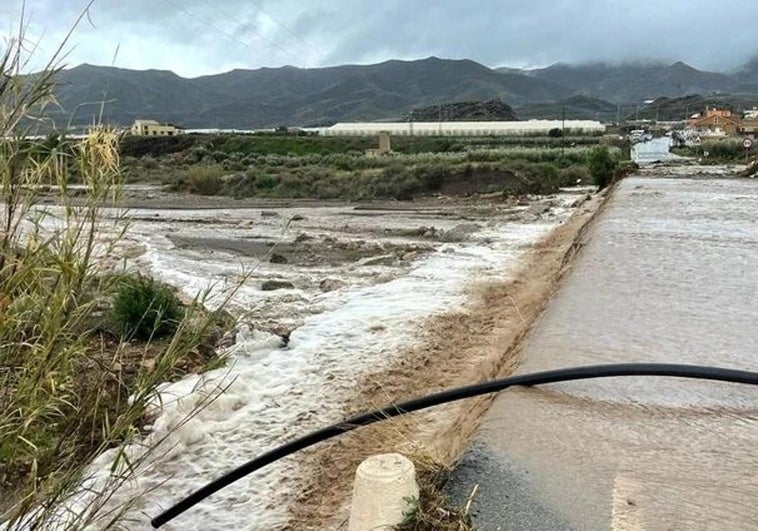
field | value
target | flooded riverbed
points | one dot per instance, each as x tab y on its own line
670	274
390	269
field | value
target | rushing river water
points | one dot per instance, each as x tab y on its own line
670	274
275	391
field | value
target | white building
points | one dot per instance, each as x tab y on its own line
530	127
153	128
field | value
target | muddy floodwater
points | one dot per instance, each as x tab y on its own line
670	274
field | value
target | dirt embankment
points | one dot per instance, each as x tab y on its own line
480	342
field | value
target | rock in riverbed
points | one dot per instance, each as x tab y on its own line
273	285
330	284
460	232
277	258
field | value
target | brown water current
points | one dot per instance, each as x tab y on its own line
669	274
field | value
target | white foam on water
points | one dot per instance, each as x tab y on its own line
277	393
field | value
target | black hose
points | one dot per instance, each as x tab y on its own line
451	395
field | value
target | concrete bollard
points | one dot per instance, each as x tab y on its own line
384	492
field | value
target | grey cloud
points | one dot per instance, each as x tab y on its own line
195	37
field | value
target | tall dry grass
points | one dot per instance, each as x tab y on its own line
68	391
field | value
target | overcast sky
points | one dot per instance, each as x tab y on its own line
196	37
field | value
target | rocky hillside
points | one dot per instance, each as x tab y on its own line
637	82
481	111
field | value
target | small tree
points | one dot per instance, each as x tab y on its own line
555	132
601	165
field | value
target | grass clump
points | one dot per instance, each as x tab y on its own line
144	308
205	179
69	390
433	511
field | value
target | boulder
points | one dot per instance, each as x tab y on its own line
330	284
277	258
460	232
272	285
384	259
539	208
269	214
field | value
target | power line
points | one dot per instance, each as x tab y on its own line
231	16
287	28
230	36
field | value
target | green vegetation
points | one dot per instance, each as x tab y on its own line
715	152
331	167
602	166
145	309
189	148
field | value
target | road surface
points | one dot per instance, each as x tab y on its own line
670	274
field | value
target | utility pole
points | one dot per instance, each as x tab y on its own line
563	130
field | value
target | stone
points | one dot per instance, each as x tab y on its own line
330	284
272	285
460	232
269	214
539	208
384	259
277	258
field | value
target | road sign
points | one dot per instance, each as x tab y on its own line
747	143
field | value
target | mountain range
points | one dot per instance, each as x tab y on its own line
271	97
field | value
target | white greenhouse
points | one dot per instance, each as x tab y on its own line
530	127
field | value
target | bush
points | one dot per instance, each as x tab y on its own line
266	182
724	150
555	132
575	174
601	165
205	180
156	146
433	176
144	308
149	162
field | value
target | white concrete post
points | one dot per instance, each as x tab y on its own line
384	493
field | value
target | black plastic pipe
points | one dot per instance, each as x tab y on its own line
451	395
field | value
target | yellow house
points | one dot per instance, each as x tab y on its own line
153	128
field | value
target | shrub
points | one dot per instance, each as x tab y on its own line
219	156
555	132
156	146
724	150
234	165
205	180
601	165
575	174
197	154
144	308
149	162
266	182
433	176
